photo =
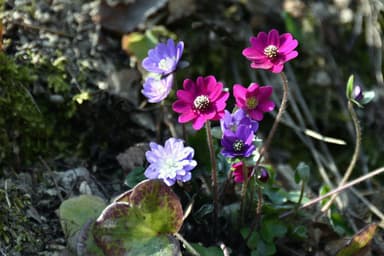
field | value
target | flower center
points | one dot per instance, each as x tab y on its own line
169	168
271	51
201	103
238	145
252	103
166	64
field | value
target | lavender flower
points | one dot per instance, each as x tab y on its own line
155	90
239	143
232	121
170	163
163	59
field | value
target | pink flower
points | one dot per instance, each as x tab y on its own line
238	172
254	100
201	101
270	51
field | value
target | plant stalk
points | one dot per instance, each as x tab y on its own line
266	145
354	157
213	173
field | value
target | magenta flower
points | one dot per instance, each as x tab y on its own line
254	100
156	90
201	101
163	59
270	51
238	172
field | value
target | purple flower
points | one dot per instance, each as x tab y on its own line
170	163
155	90
239	143
270	51
239	117
163	59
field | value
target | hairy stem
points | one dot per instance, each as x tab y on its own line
243	193
213	173
354	157
266	145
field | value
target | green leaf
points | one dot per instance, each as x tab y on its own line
359	241
302	172
77	211
138	44
140	220
207	251
349	88
272	228
134	177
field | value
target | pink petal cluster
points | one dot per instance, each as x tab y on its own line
200	101
238	172
254	100
270	51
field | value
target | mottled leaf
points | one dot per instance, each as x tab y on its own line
141	221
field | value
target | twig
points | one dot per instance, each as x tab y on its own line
336	191
6	194
354	157
188	246
224	248
39	28
213	174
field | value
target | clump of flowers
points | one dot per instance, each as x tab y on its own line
171	163
270	51
254	100
200	101
161	62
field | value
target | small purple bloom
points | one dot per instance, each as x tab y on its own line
155	90
239	117
263	175
170	163
239	143
163	59
357	93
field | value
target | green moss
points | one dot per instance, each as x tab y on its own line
29	122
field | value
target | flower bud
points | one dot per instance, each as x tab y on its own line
263	175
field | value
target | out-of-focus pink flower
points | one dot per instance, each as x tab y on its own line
238	172
270	51
254	100
200	101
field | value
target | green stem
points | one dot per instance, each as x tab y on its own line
301	194
213	173
355	156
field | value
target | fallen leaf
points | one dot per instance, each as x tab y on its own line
360	242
